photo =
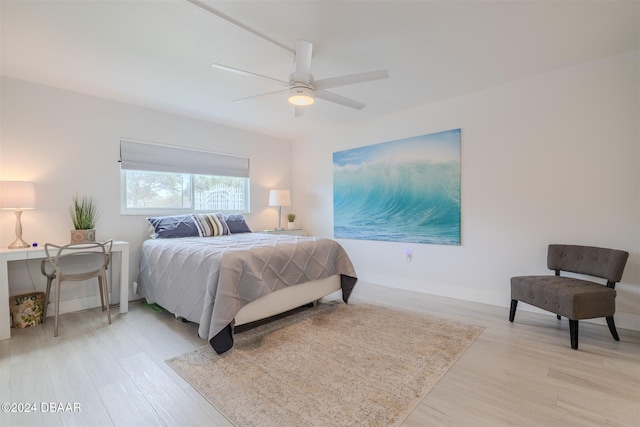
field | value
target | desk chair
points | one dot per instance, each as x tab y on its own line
76	262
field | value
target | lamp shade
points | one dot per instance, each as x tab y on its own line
17	195
279	198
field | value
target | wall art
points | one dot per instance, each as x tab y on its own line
406	190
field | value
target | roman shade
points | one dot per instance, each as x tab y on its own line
145	156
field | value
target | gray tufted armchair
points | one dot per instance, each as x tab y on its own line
573	298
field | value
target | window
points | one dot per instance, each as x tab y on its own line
157	179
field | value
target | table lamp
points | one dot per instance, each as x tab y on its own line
17	195
279	198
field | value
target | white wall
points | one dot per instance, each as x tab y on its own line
551	159
68	143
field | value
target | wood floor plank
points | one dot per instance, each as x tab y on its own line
174	342
590	382
98	361
31	384
72	385
128	405
5	355
174	407
219	419
606	413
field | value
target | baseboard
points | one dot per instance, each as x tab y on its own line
76	304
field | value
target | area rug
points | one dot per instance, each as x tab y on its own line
331	365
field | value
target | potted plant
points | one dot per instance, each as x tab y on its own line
291	218
84	214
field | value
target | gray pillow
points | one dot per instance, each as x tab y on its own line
237	224
168	227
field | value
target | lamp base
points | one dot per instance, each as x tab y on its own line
19	244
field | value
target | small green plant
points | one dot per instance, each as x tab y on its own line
291	217
84	213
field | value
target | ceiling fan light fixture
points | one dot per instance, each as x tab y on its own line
301	96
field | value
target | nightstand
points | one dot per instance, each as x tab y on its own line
290	232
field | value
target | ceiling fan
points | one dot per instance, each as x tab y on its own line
303	89
301	86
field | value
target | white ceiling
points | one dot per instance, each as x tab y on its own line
158	53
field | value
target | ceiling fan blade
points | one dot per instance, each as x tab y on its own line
239	24
339	99
258	96
299	111
248	73
350	79
302	70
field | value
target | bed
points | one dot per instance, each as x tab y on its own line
225	280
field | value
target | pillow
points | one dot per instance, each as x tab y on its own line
168	227
209	225
237	224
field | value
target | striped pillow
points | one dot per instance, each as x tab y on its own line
209	225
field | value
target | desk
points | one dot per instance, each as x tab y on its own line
7	255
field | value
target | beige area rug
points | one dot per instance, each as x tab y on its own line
332	365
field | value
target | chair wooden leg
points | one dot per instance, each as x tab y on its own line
46	299
612	328
573	331
512	312
101	293
105	289
55	324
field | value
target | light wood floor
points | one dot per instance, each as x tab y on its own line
520	374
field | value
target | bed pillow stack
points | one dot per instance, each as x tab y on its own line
194	225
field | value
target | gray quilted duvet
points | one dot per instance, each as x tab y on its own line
207	280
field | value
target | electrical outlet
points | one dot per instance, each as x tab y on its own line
408	255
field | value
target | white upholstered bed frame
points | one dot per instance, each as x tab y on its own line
287	299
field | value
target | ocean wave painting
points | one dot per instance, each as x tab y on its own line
402	191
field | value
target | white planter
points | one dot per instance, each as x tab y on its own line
291	225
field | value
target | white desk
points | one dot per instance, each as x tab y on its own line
7	255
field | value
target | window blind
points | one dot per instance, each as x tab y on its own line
145	156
